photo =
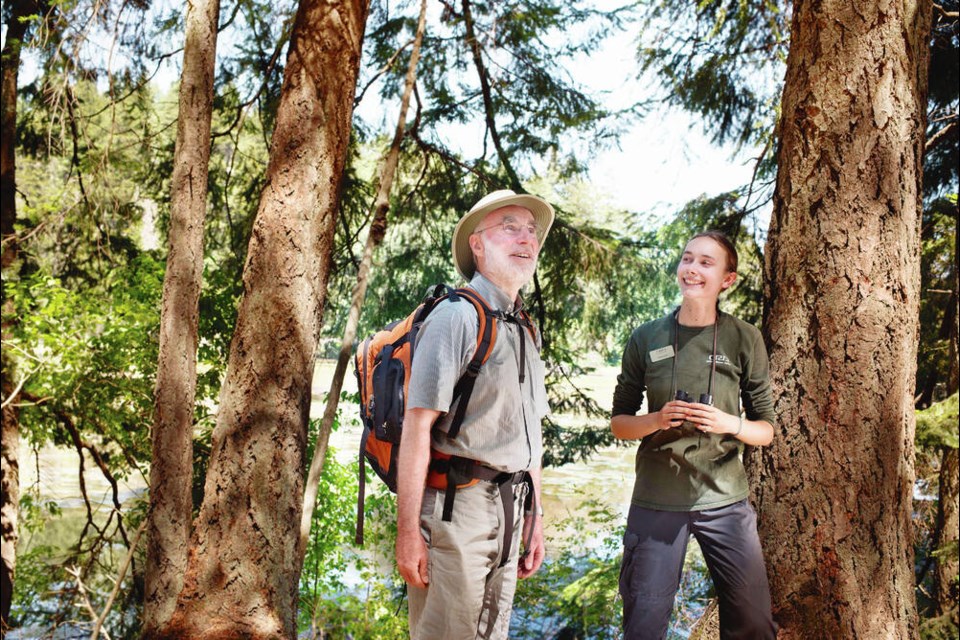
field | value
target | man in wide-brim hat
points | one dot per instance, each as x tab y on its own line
461	556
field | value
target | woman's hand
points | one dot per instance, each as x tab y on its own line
673	413
709	419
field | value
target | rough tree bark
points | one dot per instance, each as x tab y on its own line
9	448
244	567
171	470
378	228
841	296
948	495
948	523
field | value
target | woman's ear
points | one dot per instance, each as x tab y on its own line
728	280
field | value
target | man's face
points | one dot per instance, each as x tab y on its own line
505	246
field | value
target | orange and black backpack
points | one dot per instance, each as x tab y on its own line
383	363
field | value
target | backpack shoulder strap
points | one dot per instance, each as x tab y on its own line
527	322
486	338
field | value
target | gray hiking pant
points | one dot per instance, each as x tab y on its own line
469	595
654	547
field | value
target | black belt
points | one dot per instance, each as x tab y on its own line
463	470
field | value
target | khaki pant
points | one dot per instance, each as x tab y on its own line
469	595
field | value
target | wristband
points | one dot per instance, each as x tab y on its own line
739	428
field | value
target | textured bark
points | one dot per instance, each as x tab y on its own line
9	449
378	228
171	470
244	567
10	69
948	524
707	626
9	509
953	380
948	497
841	298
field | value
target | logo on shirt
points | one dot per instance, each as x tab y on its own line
721	359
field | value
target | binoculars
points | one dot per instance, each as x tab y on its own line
683	396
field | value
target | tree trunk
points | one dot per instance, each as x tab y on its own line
378	228
9	421
948	496
171	470
9	450
841	296
489	110
243	569
948	522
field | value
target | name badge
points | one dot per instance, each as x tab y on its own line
662	353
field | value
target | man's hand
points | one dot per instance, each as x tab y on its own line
412	559
533	557
411	476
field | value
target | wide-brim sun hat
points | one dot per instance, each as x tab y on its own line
543	216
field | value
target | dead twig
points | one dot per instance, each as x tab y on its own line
119	580
84	597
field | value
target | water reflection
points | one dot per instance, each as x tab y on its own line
607	476
51	475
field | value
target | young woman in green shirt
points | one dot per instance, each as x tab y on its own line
705	376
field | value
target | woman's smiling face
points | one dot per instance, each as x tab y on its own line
703	271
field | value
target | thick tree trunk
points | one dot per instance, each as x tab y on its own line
9	448
243	570
171	470
378	228
834	490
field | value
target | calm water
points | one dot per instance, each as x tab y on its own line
607	477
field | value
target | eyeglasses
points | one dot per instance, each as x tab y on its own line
513	228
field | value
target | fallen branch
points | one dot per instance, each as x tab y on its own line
116	586
85	598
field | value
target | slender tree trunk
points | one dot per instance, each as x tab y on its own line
9	448
953	381
244	566
841	298
171	470
948	496
487	94
378	227
948	521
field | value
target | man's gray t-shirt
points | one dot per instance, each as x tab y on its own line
501	428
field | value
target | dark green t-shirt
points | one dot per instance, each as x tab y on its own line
683	469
